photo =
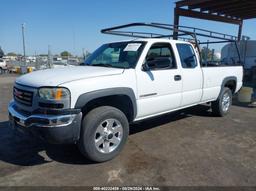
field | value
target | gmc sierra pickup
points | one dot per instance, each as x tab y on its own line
120	83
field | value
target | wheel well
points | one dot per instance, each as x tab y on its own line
121	102
231	84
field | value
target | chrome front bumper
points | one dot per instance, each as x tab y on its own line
52	128
40	119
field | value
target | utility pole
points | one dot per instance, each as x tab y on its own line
23	39
49	57
83	54
74	40
36	65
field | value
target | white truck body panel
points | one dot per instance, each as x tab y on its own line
213	78
57	76
127	78
156	88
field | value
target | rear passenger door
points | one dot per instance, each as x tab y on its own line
192	77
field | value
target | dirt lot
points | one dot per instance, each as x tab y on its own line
185	148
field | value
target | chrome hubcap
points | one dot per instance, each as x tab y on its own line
108	135
226	102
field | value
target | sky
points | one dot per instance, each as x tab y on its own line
74	25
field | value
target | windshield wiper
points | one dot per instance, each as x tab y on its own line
106	65
101	64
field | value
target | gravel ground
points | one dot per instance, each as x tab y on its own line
187	148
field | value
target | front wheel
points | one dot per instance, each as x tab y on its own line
103	134
221	106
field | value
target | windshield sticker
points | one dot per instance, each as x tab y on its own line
132	47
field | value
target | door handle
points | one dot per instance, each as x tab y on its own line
177	77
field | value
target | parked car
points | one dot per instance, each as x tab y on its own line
60	64
3	65
121	83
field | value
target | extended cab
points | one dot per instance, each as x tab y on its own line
120	83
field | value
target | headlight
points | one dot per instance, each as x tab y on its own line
54	93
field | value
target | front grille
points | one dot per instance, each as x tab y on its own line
23	96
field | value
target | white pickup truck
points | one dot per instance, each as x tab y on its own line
120	83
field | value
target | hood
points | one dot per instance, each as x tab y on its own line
55	77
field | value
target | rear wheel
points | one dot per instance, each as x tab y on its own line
104	133
221	106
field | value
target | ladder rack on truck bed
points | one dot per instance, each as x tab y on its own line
181	32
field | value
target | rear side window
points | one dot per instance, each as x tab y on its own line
187	56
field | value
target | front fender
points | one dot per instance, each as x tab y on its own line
87	97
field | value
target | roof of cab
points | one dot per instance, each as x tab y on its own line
153	40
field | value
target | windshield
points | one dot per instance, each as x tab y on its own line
117	55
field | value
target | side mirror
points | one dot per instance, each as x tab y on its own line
158	64
145	67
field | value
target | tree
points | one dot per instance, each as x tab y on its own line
208	54
1	53
11	54
43	55
87	54
65	54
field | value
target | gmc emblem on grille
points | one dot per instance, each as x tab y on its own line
17	93
23	96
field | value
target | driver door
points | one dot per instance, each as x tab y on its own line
159	89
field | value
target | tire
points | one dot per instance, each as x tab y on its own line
107	126
221	106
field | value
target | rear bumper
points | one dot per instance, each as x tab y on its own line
60	128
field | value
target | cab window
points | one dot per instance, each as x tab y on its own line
187	56
162	50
